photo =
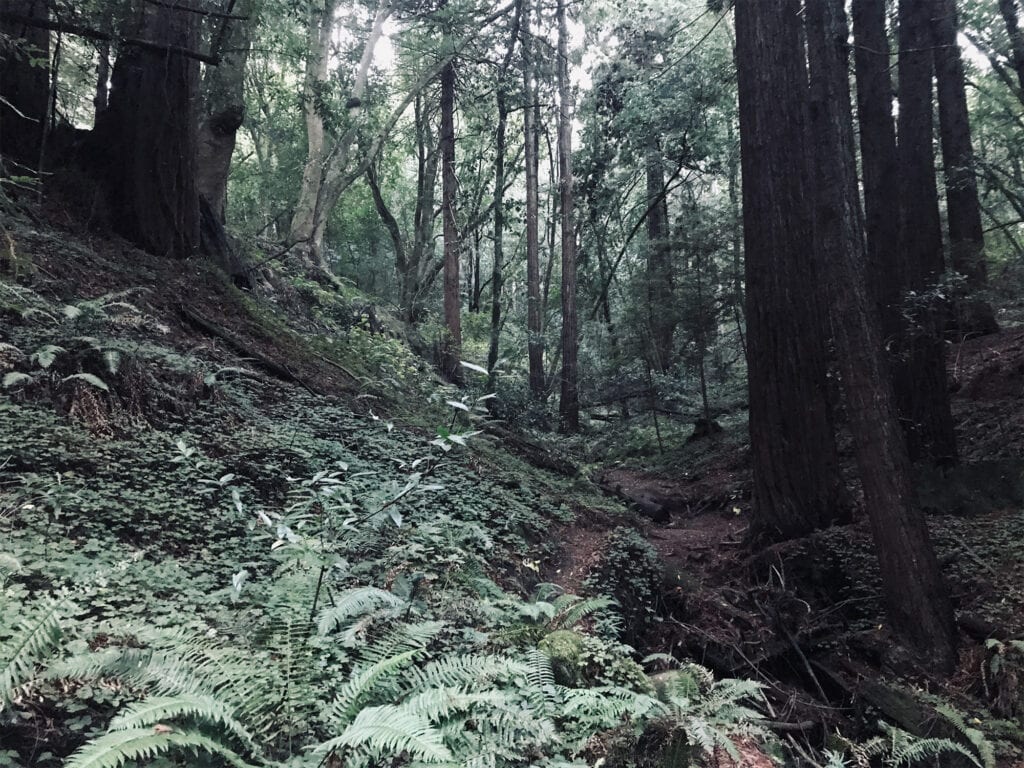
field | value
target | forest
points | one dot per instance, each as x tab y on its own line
507	383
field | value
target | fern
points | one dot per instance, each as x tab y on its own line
118	747
355	692
983	746
906	749
470	671
160	709
391	729
354	603
38	637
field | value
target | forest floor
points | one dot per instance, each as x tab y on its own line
272	387
807	617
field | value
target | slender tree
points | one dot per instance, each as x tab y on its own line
451	346
500	137
917	601
963	212
568	403
797	486
531	122
920	368
1011	18
879	161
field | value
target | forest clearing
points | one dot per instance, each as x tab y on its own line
538	383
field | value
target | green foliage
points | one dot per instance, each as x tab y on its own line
630	571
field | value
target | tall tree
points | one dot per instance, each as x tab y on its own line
500	137
966	238
1011	18
917	602
797	486
24	81
451	346
223	107
920	369
147	136
531	123
879	161
569	401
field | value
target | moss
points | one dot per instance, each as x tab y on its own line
565	648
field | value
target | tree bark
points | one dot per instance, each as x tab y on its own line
498	265
224	109
917	601
1008	9
451	346
966	238
569	401
920	364
660	310
147	137
24	85
531	120
879	162
797	486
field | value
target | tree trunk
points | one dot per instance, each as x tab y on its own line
660	310
1008	9
797	486
498	264
147	135
531	121
917	601
920	370
451	347
879	162
966	239
24	86
224	109
569	402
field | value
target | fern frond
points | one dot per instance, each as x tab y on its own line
984	747
396	640
392	729
472	672
906	749
117	747
162	709
354	603
38	637
437	704
570	610
353	694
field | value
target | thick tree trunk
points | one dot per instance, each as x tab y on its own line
917	601
660	309
24	85
569	401
966	238
531	121
920	364
797	487
224	109
1011	17
879	162
451	346
148	136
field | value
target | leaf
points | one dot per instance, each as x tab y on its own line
72	312
88	378
458	405
15	379
113	360
47	354
474	367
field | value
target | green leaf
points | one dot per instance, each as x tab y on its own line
474	367
88	378
15	379
47	354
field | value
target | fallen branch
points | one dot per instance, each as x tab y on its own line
271	366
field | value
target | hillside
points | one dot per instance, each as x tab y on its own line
194	478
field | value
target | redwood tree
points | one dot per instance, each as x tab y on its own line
797	486
451	347
531	124
920	363
917	601
568	403
24	82
963	213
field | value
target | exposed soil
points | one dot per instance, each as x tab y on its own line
805	617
